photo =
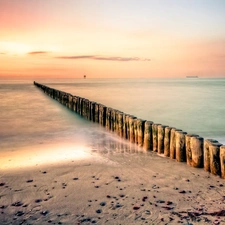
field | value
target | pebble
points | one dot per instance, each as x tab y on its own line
17	204
44	213
29	181
102	203
19	213
98	211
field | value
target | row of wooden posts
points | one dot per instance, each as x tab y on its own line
174	143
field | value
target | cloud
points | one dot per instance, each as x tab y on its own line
2	53
103	58
37	52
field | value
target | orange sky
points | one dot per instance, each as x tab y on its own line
107	39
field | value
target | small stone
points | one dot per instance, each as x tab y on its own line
160	201
29	181
2	184
75	178
19	213
17	204
102	203
98	211
44	213
136	207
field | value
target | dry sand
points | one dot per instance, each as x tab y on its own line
121	186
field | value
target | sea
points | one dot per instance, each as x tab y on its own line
35	128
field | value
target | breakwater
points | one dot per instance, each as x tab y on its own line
169	141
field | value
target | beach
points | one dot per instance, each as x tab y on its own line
126	186
59	168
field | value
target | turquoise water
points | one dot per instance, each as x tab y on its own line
29	117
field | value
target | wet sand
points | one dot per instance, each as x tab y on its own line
120	186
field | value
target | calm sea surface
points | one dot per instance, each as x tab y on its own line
30	118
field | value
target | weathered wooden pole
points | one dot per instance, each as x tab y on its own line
120	124
131	128
214	152
155	137
128	126
96	112
74	100
89	110
81	102
222	160
102	114
148	135
140	132
207	142
70	101
173	143
161	136
167	141
196	159
84	108
188	147
125	116
113	120
108	118
180	146
135	132
93	111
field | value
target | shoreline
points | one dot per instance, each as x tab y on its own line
135	188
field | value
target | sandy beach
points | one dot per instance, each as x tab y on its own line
124	185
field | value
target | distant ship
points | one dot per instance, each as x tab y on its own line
191	76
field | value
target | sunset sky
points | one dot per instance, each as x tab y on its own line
112	39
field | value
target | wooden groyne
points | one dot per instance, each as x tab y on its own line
168	141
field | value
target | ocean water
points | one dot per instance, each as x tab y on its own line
32	122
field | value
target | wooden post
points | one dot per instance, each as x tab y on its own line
161	135
108	118
173	143
155	137
188	147
180	146
102	114
140	132
148	135
81	106
70	101
214	152
125	126
120	123
116	128
196	144
131	129
84	107
135	132
96	112
93	111
74	100
167	141
222	161
127	118
207	142
113	118
88	109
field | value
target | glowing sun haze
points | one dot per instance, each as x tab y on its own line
107	39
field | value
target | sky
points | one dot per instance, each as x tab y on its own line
112	39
